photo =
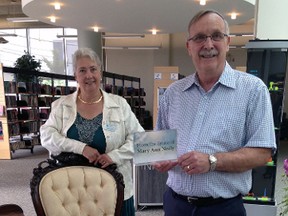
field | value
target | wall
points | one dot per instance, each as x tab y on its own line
141	63
237	57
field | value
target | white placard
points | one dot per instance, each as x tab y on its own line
155	146
174	76
158	76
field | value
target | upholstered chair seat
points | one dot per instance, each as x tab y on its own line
59	190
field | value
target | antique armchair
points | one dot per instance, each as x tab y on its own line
70	185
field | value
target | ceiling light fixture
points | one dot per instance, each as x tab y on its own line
123	36
21	19
154	31
66	36
96	29
132	47
57	6
202	2
233	15
52	19
113	47
236	47
144	48
242	35
8	35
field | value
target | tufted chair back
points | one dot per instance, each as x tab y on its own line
79	190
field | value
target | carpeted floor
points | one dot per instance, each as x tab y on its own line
15	176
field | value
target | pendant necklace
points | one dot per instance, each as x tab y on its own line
92	102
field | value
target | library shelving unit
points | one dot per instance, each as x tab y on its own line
26	105
130	88
267	59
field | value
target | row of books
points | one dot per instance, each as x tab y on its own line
138	111
17	144
23	114
36	88
45	101
27	114
26	142
23	128
124	91
24	101
44	113
11	101
28	101
64	90
136	102
20	87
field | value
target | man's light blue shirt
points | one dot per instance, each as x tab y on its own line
235	113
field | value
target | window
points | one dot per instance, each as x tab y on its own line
71	46
14	48
45	45
54	53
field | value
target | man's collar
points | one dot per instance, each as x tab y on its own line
227	78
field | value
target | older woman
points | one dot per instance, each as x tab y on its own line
93	123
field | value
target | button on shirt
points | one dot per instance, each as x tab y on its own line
235	113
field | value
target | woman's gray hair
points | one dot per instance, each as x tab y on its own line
204	12
86	52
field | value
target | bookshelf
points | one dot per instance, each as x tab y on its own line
130	88
27	106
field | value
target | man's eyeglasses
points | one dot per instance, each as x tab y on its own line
200	38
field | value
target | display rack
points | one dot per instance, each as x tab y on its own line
267	60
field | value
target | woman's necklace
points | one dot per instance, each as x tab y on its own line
92	102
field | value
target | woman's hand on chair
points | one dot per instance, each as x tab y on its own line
91	154
104	160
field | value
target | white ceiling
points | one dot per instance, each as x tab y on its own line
137	16
13	8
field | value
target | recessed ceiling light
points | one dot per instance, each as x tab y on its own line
57	6
233	15
96	29
52	19
202	2
154	31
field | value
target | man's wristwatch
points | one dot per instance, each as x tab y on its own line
213	162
